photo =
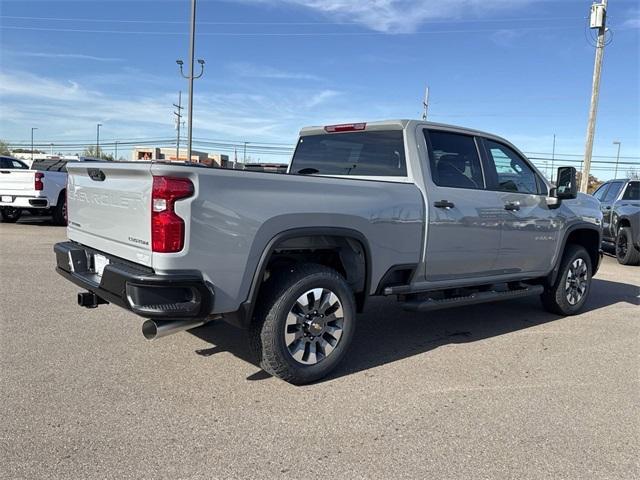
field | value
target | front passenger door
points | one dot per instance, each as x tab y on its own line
530	228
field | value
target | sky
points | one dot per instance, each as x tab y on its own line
519	68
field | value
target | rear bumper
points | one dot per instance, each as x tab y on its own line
174	295
26	201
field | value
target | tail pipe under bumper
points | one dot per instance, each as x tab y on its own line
154	329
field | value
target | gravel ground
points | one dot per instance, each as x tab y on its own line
491	391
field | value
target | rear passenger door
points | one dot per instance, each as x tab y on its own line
463	231
530	228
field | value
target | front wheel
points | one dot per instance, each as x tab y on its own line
626	253
304	323
571	288
10	214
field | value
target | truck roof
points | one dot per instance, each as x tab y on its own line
401	124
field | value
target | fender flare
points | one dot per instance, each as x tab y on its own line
553	275
243	316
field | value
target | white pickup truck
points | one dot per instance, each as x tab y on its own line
39	189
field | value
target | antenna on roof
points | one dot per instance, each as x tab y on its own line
425	103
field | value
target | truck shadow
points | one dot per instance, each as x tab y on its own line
28	219
386	333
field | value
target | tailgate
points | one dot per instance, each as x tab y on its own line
16	181
109	208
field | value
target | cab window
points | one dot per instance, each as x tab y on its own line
632	192
12	163
513	173
454	160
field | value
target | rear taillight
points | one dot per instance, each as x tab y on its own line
167	228
37	182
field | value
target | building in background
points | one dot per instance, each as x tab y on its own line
168	154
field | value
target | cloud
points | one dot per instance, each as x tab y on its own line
69	56
401	16
243	69
70	108
632	20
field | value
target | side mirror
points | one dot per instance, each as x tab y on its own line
567	184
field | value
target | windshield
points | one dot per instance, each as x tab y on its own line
377	153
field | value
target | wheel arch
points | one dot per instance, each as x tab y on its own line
355	263
586	235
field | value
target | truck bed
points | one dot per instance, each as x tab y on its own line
234	215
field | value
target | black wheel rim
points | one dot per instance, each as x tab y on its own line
621	245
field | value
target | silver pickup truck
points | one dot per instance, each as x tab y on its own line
434	215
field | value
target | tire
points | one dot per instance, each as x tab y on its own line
626	253
297	333
569	293
10	214
60	210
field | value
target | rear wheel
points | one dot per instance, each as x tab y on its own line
571	288
626	253
304	324
60	210
10	214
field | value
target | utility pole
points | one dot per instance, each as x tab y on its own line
115	155
32	129
615	175
244	155
191	76
51	145
425	104
553	156
598	20
98	140
178	115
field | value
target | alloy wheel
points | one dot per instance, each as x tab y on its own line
314	326
576	284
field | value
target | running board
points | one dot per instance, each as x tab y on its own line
429	304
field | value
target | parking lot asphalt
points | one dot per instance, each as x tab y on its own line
501	390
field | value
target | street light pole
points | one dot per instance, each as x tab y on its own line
553	156
615	175
32	129
98	139
191	77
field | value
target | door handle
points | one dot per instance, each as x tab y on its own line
443	204
512	206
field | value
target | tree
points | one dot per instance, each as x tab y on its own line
594	182
4	148
91	151
633	173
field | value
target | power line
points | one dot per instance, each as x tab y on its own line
279	34
182	22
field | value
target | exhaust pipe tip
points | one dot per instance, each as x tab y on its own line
152	329
149	329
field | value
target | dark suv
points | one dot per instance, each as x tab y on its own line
620	205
